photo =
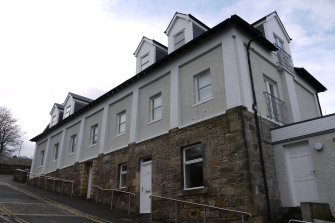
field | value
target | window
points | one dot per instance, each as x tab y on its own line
144	60
121	119
278	41
56	147
53	120
179	39
94	134
42	158
156	107
272	101
67	111
122	175
193	167
204	86
73	143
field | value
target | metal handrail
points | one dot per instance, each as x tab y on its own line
46	178
294	220
205	206
112	195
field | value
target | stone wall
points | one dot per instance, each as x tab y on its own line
231	170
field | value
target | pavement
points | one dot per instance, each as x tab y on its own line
22	203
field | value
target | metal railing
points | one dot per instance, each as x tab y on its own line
276	108
284	59
112	195
204	206
31	176
294	220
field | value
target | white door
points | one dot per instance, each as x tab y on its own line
301	174
145	187
89	182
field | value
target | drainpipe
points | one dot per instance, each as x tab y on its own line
259	138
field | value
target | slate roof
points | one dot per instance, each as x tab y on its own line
80	98
305	75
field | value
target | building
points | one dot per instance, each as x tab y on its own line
207	119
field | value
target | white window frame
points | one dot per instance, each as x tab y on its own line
94	135
67	111
271	88
53	120
154	109
73	143
121	130
279	42
122	173
42	153
185	163
179	43
145	60
198	88
56	150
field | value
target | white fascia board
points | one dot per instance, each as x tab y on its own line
303	128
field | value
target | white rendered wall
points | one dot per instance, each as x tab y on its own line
191	110
148	128
115	140
69	158
51	162
88	150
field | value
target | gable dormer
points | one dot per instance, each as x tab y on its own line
56	114
273	29
182	29
73	103
148	52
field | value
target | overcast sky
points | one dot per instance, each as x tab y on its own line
51	47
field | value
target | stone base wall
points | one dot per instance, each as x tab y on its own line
231	170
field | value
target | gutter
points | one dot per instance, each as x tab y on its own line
258	131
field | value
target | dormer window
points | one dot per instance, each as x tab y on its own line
179	39
278	42
67	111
145	61
53	120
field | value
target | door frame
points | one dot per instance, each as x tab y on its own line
292	188
143	163
89	181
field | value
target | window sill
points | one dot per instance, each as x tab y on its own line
153	121
91	146
203	101
121	134
71	154
193	191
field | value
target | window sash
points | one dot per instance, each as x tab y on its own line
191	169
68	111
179	39
145	59
122	122
56	147
122	175
156	107
204	86
94	134
42	158
73	143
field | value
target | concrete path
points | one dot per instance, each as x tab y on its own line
22	203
